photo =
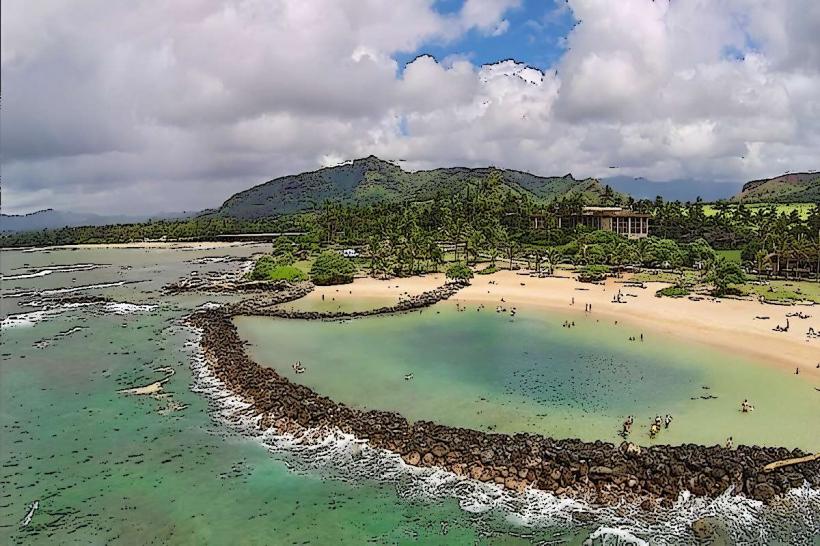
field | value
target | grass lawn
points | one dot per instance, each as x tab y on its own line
802	208
304	265
785	291
690	277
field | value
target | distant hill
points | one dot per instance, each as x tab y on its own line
787	188
674	190
54	219
371	179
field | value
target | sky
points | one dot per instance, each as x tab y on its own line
148	106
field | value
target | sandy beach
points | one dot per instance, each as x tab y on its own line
728	324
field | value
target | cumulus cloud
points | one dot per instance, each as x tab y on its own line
150	106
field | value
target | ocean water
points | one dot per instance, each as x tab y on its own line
106	467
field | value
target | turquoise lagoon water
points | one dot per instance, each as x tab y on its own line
491	371
112	468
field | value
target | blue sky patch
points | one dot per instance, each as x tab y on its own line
536	35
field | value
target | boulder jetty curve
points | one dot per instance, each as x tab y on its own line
599	471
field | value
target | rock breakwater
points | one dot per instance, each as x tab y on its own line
598	471
412	303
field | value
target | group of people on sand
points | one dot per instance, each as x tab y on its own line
568	324
658	423
618	298
633	338
746	407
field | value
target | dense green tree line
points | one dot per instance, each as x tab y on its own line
489	221
193	229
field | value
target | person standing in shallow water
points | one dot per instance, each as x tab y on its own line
627	426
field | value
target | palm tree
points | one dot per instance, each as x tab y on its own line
509	245
552	257
455	227
475	241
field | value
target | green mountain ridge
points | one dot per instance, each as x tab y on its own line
371	180
786	188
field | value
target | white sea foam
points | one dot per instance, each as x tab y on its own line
23	319
57	291
794	519
117	308
212	260
33	317
609	535
32	273
49	310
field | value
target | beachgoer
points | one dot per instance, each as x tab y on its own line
729	443
667	420
641	336
653	430
627	426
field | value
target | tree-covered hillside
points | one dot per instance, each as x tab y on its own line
372	180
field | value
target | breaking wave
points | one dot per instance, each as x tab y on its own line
116	308
23	319
42	272
49	311
794	519
57	291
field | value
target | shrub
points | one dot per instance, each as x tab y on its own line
489	270
285	259
673	292
267	268
332	268
459	272
594	273
722	273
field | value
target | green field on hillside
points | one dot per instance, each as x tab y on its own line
802	208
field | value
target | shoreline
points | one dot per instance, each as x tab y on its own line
145	245
726	324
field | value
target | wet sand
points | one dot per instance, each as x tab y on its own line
729	324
